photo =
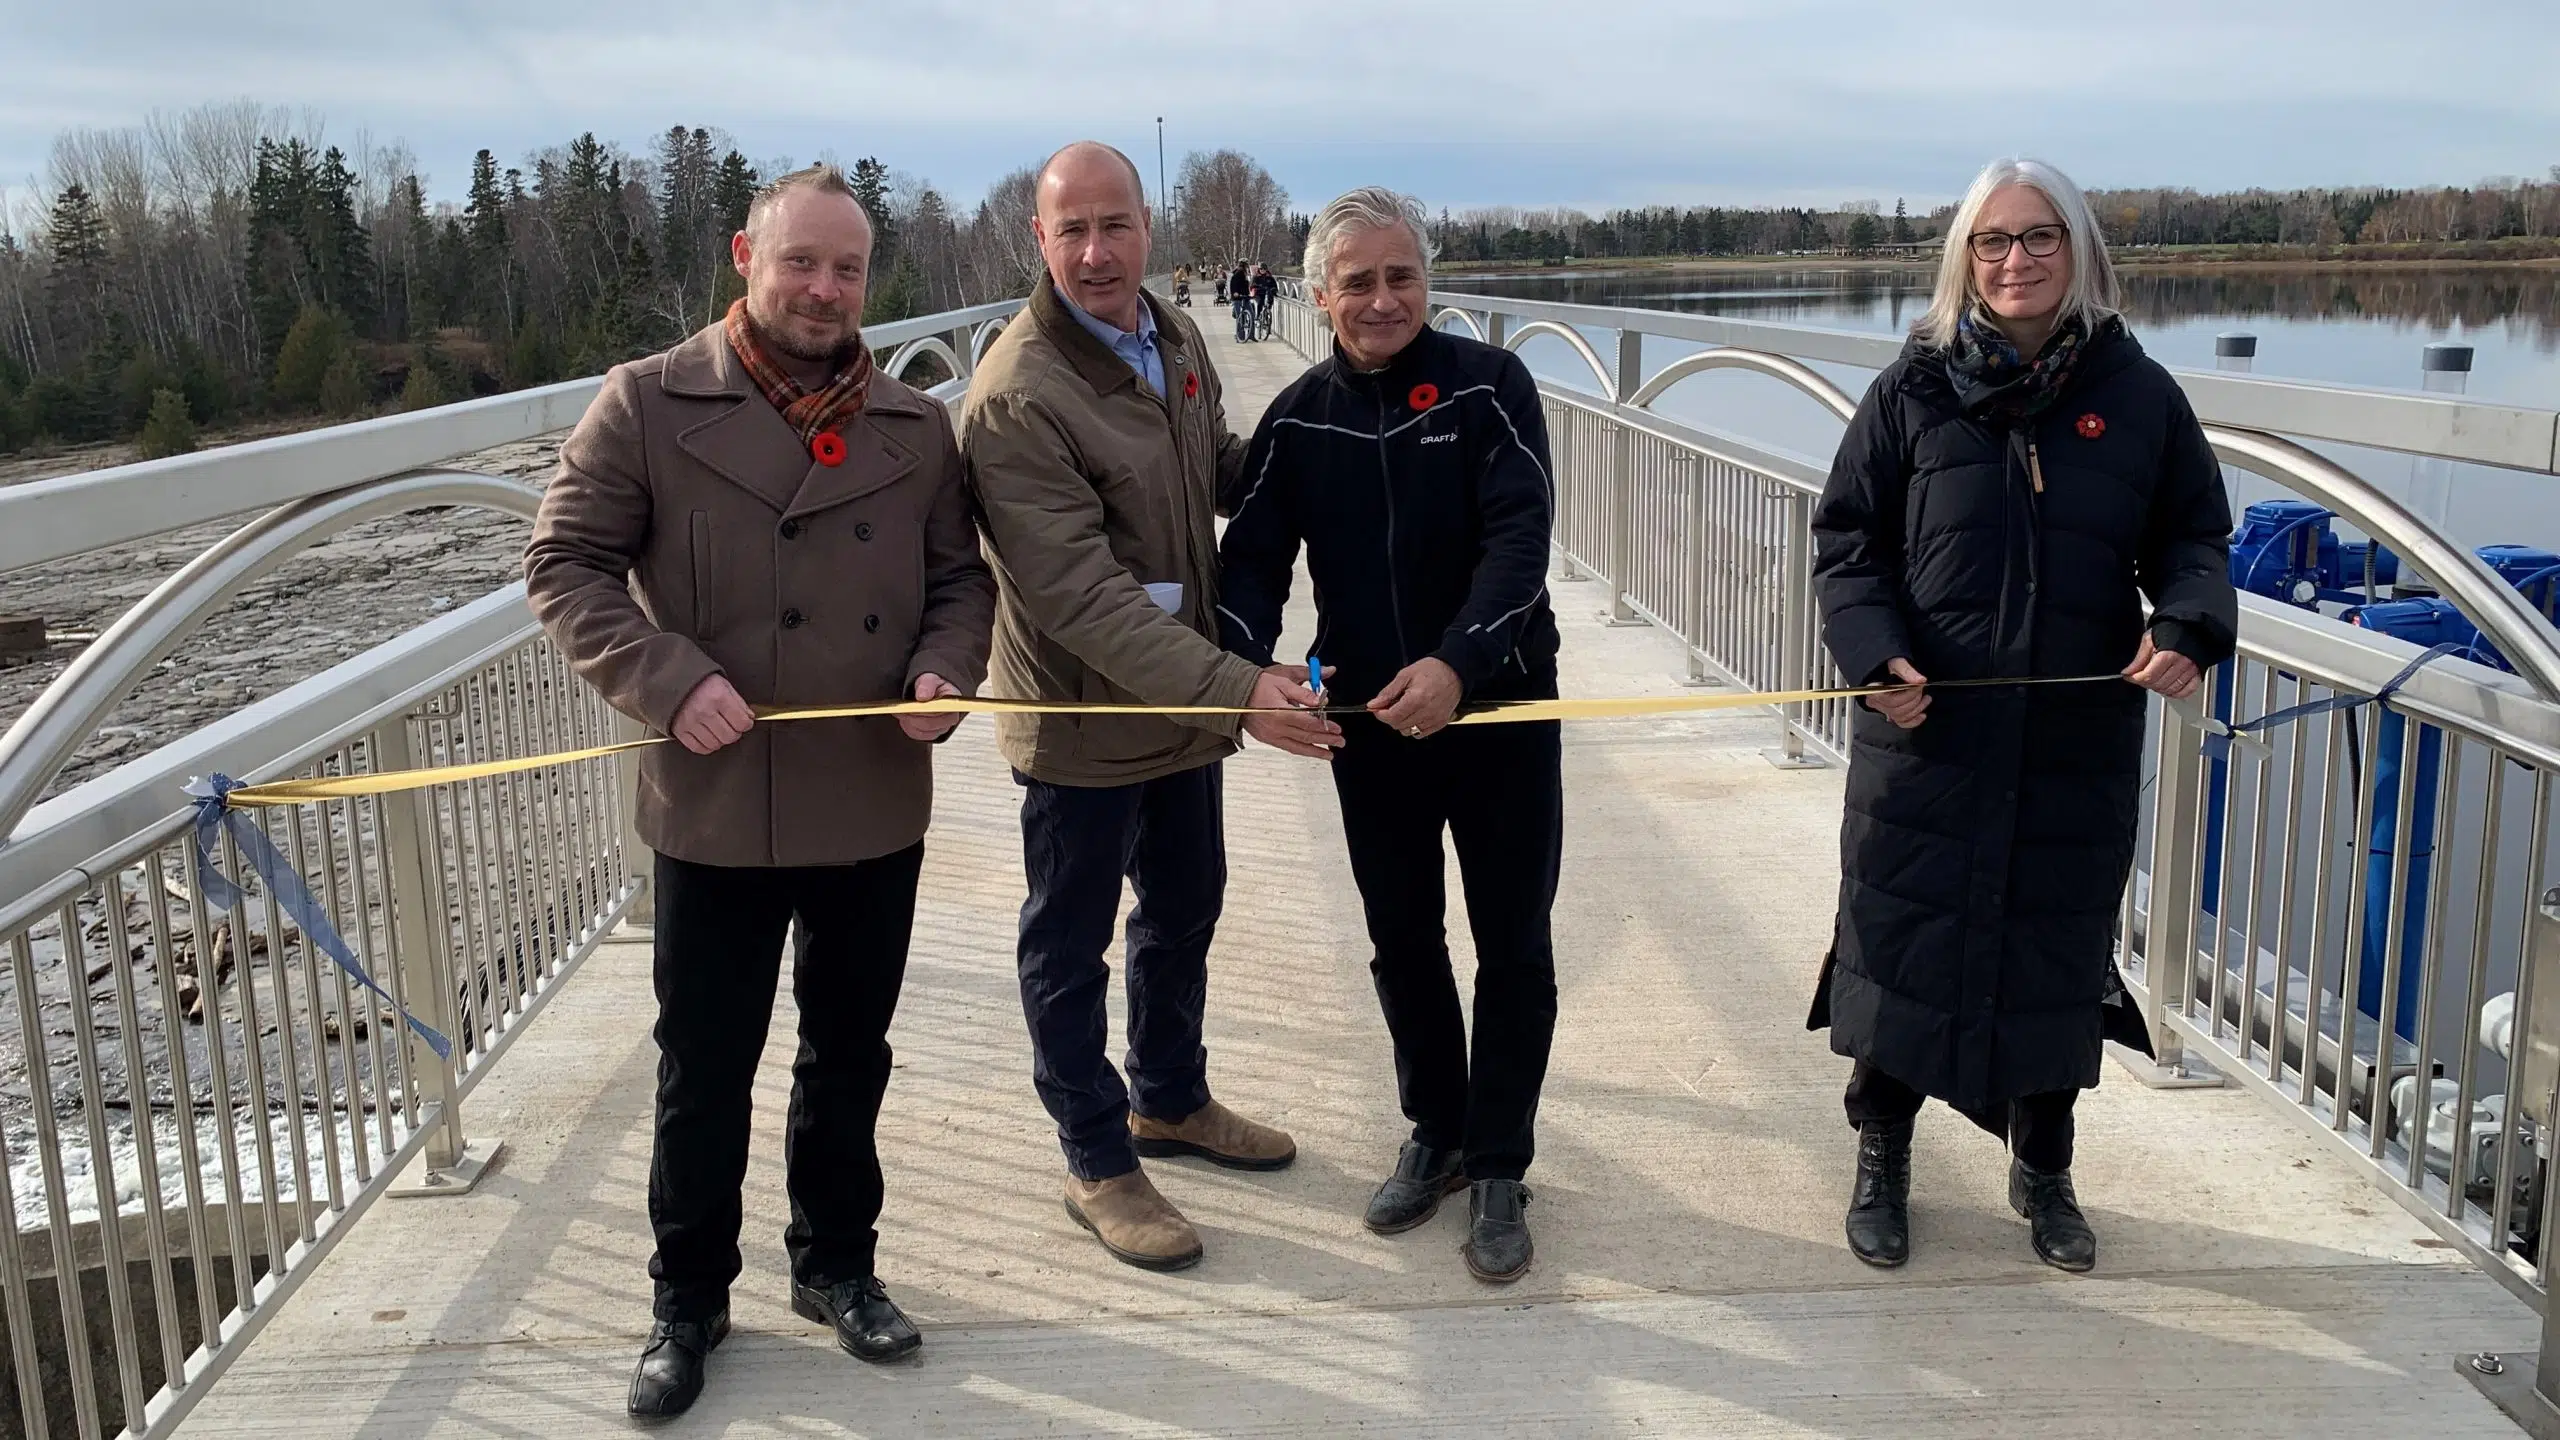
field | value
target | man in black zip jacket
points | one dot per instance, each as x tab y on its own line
1413	464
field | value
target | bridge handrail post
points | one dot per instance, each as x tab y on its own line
1795	621
635	862
414	891
1693	566
2169	945
1622	486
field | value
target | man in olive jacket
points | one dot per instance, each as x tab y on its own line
756	517
1096	445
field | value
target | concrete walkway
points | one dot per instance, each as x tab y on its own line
1691	1278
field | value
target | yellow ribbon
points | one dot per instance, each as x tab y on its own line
1495	712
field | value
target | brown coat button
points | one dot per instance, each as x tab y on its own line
793	619
871	623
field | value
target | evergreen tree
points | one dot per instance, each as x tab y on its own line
896	296
76	233
425	388
486	214
168	429
871	187
305	358
17	422
341	252
279	278
1901	223
733	188
343	391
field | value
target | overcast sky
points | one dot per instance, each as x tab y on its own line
1586	102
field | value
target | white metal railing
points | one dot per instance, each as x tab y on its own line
195	1103
2357	918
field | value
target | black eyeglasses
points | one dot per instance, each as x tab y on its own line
2041	241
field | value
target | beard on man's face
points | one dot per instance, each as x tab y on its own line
799	330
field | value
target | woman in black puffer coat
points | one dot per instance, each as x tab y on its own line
2009	492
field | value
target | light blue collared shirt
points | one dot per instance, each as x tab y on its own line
1138	347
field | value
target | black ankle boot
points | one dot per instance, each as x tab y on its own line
1879	1224
2063	1238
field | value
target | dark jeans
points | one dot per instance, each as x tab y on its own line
1243	308
1498	790
2038	1128
718	959
1168	839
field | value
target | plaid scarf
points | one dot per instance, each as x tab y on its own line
807	412
1992	377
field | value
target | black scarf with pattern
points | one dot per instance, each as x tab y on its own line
1993	379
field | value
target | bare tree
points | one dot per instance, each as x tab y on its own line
1232	209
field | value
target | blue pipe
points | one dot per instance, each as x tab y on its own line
2379	850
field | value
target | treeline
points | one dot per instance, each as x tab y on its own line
228	263
2495	210
1503	234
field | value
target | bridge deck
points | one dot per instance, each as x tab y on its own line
1691	1278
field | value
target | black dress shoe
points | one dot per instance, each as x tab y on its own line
2063	1238
1497	1248
1879	1223
1412	1194
670	1374
868	1324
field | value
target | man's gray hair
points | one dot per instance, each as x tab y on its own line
1371	207
2092	292
825	177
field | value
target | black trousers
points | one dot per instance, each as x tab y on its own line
718	961
1167	838
1498	791
2038	1128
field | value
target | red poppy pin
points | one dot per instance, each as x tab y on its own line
1191	385
1424	396
827	448
2090	426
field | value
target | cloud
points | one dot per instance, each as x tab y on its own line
1464	101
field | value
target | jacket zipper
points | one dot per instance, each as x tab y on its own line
1387	487
2035	467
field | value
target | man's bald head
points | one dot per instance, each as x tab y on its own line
1084	162
1090	216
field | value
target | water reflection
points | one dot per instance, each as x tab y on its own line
2523	302
2342	325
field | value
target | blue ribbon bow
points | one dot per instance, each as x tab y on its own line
2218	733
214	813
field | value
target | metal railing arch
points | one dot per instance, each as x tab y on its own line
69	710
1572	337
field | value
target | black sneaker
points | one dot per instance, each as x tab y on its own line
1412	1194
1497	1249
1879	1223
2062	1235
669	1377
868	1324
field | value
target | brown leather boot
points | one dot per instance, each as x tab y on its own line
1133	1222
1215	1134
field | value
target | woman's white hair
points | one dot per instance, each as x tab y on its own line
1371	207
2092	293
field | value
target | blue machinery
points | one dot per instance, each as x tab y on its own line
2285	550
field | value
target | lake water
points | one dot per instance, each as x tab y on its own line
2356	326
